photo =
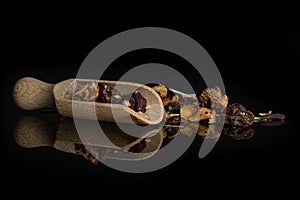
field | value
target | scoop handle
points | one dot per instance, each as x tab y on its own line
31	94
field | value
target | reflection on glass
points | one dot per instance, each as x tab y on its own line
238	133
211	131
33	131
36	131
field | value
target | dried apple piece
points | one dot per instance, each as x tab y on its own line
215	95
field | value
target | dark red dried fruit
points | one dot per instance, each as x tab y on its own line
102	93
237	115
140	102
136	102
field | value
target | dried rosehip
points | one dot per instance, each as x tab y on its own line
237	115
102	93
140	102
136	102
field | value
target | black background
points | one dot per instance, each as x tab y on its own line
257	60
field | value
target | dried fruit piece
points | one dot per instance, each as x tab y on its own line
203	114
167	100
102	94
215	95
161	90
237	115
195	114
187	111
138	102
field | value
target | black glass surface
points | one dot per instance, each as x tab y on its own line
258	67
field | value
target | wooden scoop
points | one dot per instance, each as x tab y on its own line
31	94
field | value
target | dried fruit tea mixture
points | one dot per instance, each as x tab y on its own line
105	93
200	112
181	108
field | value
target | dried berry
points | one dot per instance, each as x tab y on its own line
215	95
237	115
102	94
136	102
140	102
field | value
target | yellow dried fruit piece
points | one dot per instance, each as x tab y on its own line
187	111
168	100
202	114
162	90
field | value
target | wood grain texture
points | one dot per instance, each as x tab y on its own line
32	131
31	94
110	145
106	111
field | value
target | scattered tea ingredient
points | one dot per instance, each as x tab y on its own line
178	106
237	115
105	93
137	102
103	96
161	90
214	95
